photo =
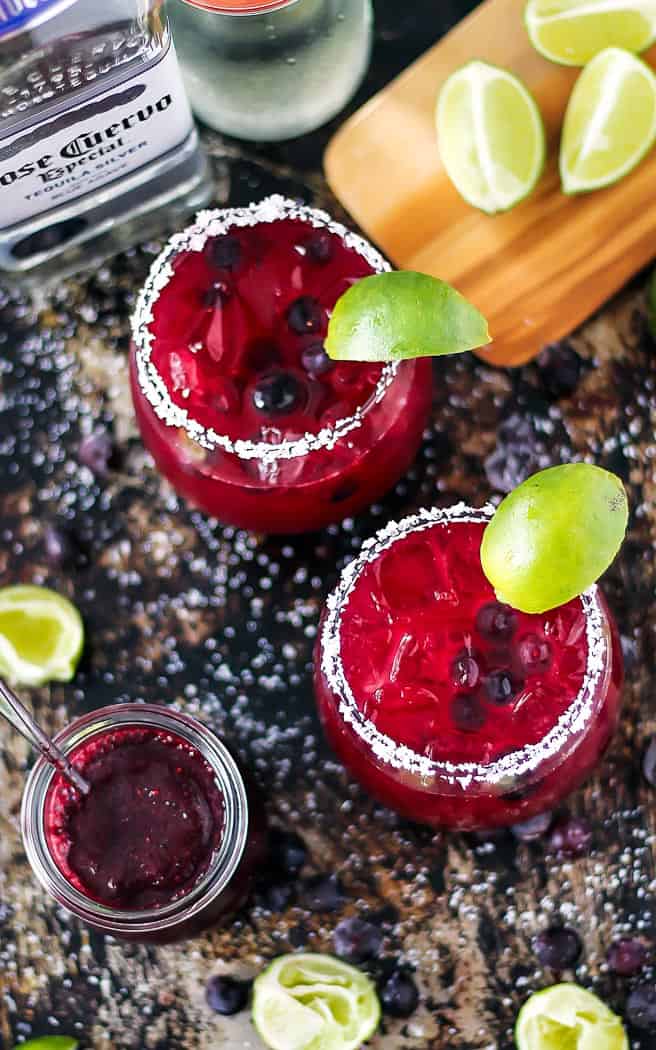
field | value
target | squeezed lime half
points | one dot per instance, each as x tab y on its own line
567	1017
41	635
490	136
571	32
314	1002
400	315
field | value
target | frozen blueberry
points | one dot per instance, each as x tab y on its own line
467	712
534	654
278	393
571	837
499	687
217	294
627	956
557	948
277	896
641	1006
533	828
465	671
227	995
399	996
288	851
649	763
496	622
560	369
315	360
305	316
357	940
225	252
59	546
521	450
319	246
95	452
321	893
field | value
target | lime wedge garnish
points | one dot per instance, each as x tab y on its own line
41	635
314	1002
574	31
50	1042
567	1017
610	123
490	136
393	316
554	535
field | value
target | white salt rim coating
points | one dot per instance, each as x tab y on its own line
214	223
523	761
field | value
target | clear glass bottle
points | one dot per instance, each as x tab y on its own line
96	134
266	71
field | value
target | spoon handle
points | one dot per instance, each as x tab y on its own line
22	721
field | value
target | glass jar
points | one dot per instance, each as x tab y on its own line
226	881
271	71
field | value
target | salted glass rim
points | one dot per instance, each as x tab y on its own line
225	858
520	762
214	223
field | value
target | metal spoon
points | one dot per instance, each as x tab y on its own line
21	719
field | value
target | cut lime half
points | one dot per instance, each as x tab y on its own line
610	123
567	1017
490	136
41	635
572	32
51	1042
314	1002
399	315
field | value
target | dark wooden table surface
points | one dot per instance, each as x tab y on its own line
222	623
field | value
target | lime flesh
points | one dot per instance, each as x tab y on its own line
395	316
572	32
554	535
610	123
41	635
490	136
567	1017
314	1002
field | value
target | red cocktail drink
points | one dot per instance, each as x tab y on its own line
168	838
235	396
449	706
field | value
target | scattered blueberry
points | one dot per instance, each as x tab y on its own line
557	948
641	1006
465	671
534	654
305	316
288	851
571	837
217	294
227	995
277	896
627	956
357	940
499	687
533	828
225	252
320	246
315	360
278	393
649	763
321	893
95	452
560	369
399	996
59	547
520	451
496	622
468	712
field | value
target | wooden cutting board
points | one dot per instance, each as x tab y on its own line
535	272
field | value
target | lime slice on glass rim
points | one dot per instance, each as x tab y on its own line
402	314
610	123
490	136
567	1017
554	535
571	32
41	636
51	1042
314	1002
